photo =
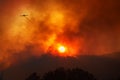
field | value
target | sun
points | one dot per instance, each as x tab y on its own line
62	49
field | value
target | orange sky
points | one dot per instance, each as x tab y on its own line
83	26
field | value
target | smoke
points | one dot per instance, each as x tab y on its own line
102	24
35	27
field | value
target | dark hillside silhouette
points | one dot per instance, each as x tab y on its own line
103	68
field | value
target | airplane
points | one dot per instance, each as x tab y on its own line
24	15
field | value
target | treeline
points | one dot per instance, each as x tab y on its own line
63	74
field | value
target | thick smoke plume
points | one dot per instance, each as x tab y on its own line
35	27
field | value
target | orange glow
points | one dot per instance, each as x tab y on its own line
57	18
61	49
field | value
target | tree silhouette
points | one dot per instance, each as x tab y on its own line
33	76
64	74
69	74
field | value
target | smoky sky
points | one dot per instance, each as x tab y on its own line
89	26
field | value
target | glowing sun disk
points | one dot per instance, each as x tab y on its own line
61	49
